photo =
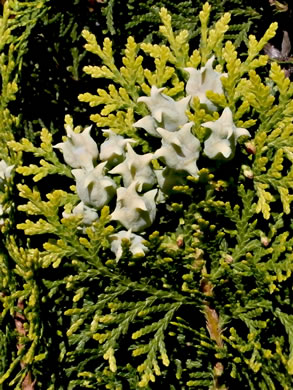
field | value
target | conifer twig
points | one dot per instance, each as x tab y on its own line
19	320
214	329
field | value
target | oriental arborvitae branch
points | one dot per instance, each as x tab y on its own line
214	329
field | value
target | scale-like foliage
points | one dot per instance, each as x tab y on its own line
142	17
197	293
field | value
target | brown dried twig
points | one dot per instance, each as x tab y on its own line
19	321
282	56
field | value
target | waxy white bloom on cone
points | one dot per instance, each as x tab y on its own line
1	214
134	211
112	149
79	150
94	188
168	178
89	214
136	245
149	124
5	171
203	80
180	149
223	138
165	112
137	168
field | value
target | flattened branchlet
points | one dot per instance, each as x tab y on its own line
167	244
